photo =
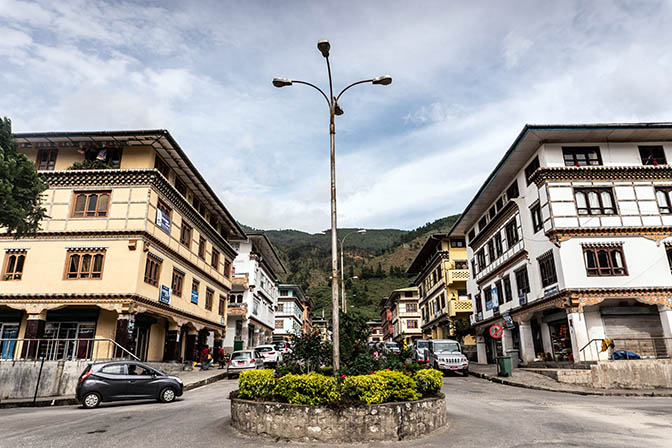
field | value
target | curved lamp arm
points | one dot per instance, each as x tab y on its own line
316	88
351	85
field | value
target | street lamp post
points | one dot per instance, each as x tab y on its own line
334	109
344	303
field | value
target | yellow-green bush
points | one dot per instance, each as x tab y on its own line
313	389
368	388
400	387
256	384
429	381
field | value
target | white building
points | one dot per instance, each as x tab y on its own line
571	237
405	314
254	294
289	314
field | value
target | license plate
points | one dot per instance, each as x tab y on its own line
453	367
240	363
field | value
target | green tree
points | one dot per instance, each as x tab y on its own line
460	328
21	188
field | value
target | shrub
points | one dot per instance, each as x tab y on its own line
413	368
367	388
313	389
429	381
361	364
256	384
326	371
288	367
400	387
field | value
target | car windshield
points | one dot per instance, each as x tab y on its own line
241	355
446	347
264	349
422	344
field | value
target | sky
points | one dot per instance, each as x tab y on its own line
467	76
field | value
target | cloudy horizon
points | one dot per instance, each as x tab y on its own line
467	78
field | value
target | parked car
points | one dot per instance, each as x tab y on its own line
125	380
270	354
244	360
391	347
446	355
419	347
283	347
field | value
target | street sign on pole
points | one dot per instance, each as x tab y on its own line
496	331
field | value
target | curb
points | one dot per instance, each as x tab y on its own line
495	379
68	401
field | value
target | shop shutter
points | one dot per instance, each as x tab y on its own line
633	332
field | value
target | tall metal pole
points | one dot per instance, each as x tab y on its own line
344	304
334	238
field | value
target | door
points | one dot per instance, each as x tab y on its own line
7	346
637	332
115	380
141	382
143	343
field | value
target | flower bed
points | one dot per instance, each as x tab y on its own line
384	405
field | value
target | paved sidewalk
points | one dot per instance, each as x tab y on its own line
191	379
531	380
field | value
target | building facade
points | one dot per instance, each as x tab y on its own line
569	243
442	272
405	318
386	320
254	297
290	312
308	305
134	255
376	331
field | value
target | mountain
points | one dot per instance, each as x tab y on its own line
379	258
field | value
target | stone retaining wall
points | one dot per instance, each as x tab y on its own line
378	422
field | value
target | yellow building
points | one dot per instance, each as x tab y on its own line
442	273
136	253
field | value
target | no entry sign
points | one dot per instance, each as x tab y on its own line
496	331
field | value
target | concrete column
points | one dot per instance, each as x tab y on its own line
579	334
34	330
481	354
666	321
507	341
526	342
546	338
124	334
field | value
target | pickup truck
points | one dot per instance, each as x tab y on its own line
446	355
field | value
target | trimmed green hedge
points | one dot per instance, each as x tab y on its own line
315	389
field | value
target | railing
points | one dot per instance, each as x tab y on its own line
646	348
74	349
459	306
457	275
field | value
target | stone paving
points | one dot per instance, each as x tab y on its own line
528	379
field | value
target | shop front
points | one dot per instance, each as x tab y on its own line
560	336
10	324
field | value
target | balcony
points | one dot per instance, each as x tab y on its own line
456	307
237	309
457	275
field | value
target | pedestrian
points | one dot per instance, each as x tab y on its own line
222	358
206	358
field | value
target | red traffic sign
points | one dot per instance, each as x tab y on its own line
496	331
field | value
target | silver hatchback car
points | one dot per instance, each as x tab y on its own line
244	360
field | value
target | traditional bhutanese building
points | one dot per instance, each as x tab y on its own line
404	315
134	254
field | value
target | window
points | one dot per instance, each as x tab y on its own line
180	187
222	305
537	224
46	159
185	234
498	244
458	243
279	324
487	296
594	201
497	296
113	157
281	307
114	369
152	270
652	155
85	265
479	304
195	286
492	212
163	213
209	293
491	251
512	192
408	293
411	308
604	261
177	282
511	233
582	156
160	165
508	296
530	169
663	196
443	301
91	204
201	247
482	223
480	257
214	260
472	234
668	249
255	307
412	323
522	282
500	203
14	262
547	269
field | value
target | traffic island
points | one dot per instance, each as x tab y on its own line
305	423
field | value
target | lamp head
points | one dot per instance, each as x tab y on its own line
361	231
282	82
338	110
384	80
324	46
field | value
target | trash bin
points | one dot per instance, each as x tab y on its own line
504	366
515	358
237	345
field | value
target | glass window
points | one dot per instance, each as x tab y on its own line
582	156
85	265
177	283
530	169
209	294
114	369
201	247
152	270
547	269
663	199
91	204
652	155
604	261
185	234
511	233
594	201
46	159
537	224
14	262
522	282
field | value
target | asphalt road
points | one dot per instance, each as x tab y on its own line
482	414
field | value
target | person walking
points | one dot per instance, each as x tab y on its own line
222	358
206	358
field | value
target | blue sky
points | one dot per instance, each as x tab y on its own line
467	77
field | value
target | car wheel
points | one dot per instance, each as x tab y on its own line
465	372
167	395
91	400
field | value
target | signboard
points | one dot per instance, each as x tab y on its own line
496	331
162	220
223	320
522	298
495	296
508	321
488	305
551	290
164	295
194	297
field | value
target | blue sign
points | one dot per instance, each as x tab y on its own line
495	296
194	297
508	321
163	220
164	295
488	305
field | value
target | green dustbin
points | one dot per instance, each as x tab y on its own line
237	345
504	366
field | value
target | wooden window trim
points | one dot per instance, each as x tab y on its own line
177	291
531	168
597	271
520	286
6	276
79	272
510	242
50	162
588	208
152	278
186	241
214	259
537	221
202	246
222	305
573	151
551	276
667	191
98	213
209	298
652	160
